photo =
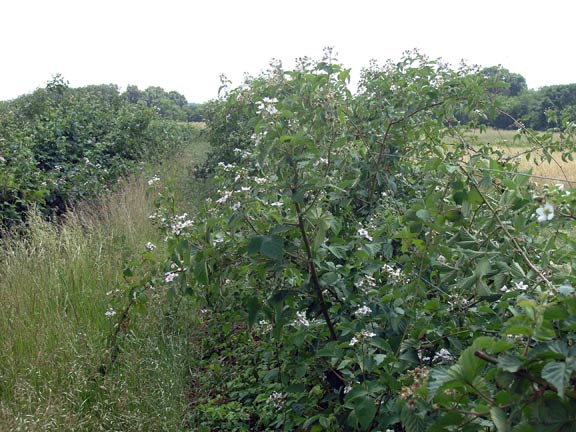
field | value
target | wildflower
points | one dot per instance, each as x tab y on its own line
520	286
224	197
260	180
109	313
236	206
443	354
267	106
366	284
153	180
544	213
277	399
277	204
264	326
301	319
2	159
363	311
180	223
150	246
395	276
226	167
361	336
170	276
364	233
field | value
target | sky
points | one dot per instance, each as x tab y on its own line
185	45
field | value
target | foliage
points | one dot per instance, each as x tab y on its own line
376	275
169	105
60	145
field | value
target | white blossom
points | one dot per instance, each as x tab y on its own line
170	276
150	246
366	283
226	167
267	105
301	319
544	213
180	223
443	354
364	234
277	399
224	197
109	313
361	336
236	206
363	311
153	180
520	286
260	180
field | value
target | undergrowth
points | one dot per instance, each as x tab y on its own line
60	285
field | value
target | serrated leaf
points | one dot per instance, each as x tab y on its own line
483	267
558	374
411	421
272	247
510	363
517	270
440	376
499	419
423	214
365	411
201	272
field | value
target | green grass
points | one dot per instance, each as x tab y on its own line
56	284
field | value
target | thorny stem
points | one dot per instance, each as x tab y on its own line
312	272
507	233
385	139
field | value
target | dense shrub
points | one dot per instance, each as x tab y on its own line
59	145
367	265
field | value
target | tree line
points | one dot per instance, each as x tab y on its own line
550	107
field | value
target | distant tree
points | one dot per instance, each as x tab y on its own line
133	94
512	84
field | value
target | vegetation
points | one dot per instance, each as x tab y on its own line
357	262
60	145
63	286
551	107
366	263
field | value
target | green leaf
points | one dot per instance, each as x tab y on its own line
270	246
201	272
500	420
365	411
558	374
253	306
510	363
411	421
423	214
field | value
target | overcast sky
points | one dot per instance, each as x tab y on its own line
185	45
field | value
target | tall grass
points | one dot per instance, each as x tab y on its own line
56	283
516	146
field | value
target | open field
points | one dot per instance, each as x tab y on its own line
516	146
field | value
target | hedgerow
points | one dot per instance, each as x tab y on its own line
60	145
365	264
